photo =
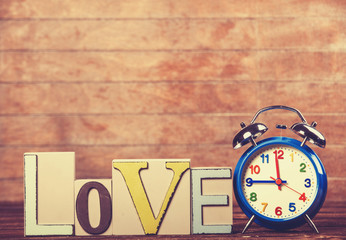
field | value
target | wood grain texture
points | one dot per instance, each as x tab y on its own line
171	9
307	66
137	129
311	33
109	66
165	79
128	34
118	66
124	98
174	34
168	97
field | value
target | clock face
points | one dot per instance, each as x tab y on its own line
279	182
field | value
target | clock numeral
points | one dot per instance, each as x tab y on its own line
265	157
292	207
253	197
278	154
255	169
302	197
303	166
278	211
307	183
248	182
264	206
292	157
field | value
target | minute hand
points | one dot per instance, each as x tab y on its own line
277	170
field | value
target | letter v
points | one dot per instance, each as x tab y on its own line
130	172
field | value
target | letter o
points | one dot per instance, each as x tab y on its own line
82	203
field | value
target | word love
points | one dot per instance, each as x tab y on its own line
144	196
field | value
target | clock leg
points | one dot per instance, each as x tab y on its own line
248	224
311	223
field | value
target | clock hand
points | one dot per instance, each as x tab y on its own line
266	181
278	172
302	195
263	181
250	181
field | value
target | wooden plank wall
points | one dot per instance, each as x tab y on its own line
165	79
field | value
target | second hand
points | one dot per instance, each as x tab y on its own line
301	194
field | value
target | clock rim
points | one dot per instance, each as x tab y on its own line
281	224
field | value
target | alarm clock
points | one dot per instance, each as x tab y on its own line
280	182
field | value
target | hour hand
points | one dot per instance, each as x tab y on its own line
250	181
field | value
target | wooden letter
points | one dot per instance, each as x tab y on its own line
204	197
48	191
136	186
93	207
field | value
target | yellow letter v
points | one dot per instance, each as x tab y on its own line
130	172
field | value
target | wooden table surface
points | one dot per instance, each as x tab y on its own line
331	222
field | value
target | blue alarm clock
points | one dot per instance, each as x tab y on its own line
279	182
